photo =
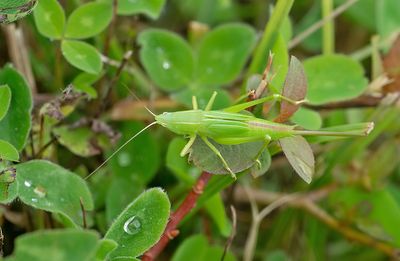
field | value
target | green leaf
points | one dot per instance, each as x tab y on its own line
8	151
239	157
300	156
263	164
167	58
387	17
311	16
60	245
280	62
81	141
120	194
277	255
82	55
193	248
50	19
5	100
44	185
286	30
104	248
83	83
15	126
216	209
362	12
196	248
223	53
7	192
375	211
151	8
88	20
140	159
141	224
216	252
308	119
333	78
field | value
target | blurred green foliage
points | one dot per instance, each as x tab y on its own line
166	52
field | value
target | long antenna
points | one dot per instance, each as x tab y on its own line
119	149
137	98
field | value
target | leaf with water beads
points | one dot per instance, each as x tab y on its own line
45	185
141	224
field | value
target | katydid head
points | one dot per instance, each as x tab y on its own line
181	122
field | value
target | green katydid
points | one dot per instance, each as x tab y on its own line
231	127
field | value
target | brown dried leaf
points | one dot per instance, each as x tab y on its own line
391	64
295	88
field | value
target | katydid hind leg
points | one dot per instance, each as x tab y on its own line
188	145
219	155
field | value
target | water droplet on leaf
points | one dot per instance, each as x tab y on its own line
40	191
166	65
34	200
132	226
28	183
124	159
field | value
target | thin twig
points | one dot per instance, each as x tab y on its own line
307	203
310	30
115	79
111	28
19	53
44	148
233	233
1	242
251	241
348	232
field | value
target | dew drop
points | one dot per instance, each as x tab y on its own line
40	191
34	200
124	159
28	183
132	226
166	65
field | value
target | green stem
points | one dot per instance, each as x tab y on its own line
376	62
271	31
328	30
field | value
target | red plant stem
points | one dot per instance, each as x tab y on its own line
176	217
